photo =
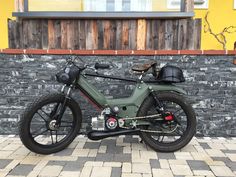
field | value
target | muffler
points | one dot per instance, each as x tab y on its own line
98	135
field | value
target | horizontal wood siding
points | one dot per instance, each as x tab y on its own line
176	34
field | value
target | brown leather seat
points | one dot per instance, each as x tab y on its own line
143	67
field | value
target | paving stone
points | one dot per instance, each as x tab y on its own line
116	172
91	145
140	146
23	170
223	159
51	170
4	163
58	158
60	163
154	163
162	173
5	154
165	155
177	162
131	175
215	153
181	170
198	165
164	164
126	150
69	174
232	157
227	161
73	166
147	175
122	158
102	149
189	148
229	151
199	149
204	145
105	157
141	168
183	155
86	171
230	146
231	165
140	156
93	164
221	171
203	172
40	165
21	151
76	165
101	172
65	152
84	159
148	154
112	164
114	150
92	153
108	142
199	156
79	145
130	139
11	147
13	164
80	152
126	167
214	145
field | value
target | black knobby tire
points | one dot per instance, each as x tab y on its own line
187	134
28	118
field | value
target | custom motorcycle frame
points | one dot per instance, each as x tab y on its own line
119	116
128	107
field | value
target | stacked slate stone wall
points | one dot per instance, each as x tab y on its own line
210	83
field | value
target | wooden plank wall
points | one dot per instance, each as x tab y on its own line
150	34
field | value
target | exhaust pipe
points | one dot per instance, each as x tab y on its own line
98	135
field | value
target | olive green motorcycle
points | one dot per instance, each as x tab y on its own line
156	111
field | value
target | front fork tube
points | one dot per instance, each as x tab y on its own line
62	107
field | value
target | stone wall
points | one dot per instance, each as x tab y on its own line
211	86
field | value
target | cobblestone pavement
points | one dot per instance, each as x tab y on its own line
124	156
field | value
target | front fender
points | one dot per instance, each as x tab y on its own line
168	87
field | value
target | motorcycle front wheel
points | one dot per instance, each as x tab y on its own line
38	129
168	135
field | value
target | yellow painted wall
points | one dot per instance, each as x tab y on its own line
6	9
55	5
159	5
221	15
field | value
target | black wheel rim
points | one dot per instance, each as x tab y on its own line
41	131
168	132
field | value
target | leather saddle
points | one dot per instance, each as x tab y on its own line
144	67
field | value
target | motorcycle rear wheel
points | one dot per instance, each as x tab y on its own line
37	128
180	135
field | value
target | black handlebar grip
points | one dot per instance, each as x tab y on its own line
101	66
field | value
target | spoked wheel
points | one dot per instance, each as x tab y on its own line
39	129
175	130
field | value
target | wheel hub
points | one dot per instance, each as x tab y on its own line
169	116
53	125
